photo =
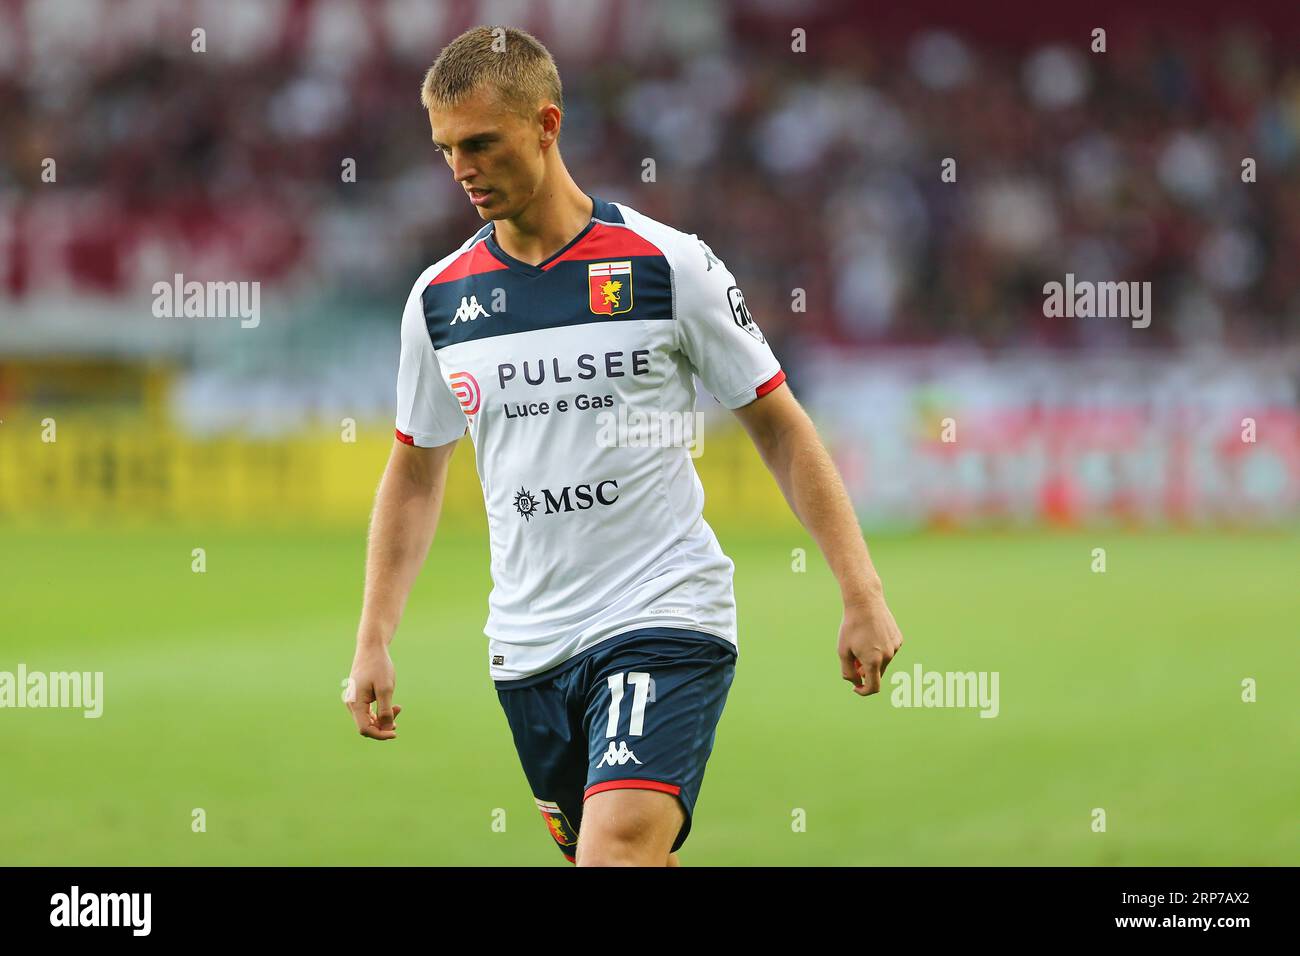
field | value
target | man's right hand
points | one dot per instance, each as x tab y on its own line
372	681
407	507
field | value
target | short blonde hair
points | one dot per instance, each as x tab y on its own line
512	62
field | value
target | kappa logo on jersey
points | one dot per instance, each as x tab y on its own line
609	287
469	310
616	757
557	823
465	387
740	312
710	260
584	497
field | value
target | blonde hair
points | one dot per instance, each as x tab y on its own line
510	61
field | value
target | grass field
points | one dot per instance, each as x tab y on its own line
1119	690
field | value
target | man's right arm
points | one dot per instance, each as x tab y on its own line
407	507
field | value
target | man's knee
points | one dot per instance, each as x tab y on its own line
611	852
629	840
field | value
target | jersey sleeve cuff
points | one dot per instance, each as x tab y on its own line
423	440
758	390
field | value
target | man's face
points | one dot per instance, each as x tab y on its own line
494	153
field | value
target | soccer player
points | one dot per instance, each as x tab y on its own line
612	622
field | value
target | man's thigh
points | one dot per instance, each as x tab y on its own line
629	828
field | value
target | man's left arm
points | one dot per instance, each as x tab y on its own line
789	445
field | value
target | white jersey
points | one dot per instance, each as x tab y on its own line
574	378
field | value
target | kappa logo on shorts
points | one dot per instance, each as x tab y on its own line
616	757
557	823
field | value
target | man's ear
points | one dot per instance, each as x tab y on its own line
550	118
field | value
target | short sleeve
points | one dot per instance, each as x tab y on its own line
428	414
716	332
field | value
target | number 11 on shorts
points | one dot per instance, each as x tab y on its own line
640	681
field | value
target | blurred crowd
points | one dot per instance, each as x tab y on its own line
820	171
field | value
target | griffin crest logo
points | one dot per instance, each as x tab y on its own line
609	287
610	291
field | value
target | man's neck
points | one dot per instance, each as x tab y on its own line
550	222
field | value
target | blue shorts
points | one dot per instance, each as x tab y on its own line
637	711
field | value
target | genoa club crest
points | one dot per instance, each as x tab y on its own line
557	823
609	287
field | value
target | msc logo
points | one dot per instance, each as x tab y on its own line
469	310
568	498
465	387
525	504
617	756
740	312
609	287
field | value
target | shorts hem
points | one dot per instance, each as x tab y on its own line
632	783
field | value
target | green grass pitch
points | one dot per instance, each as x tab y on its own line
1120	691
